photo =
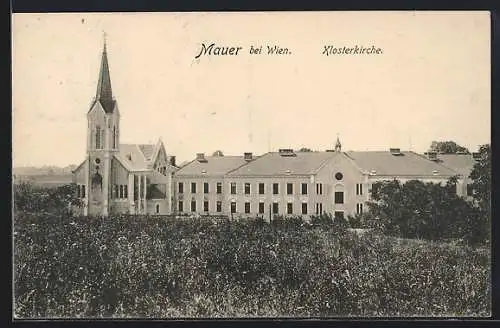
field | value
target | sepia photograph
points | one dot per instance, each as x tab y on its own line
190	165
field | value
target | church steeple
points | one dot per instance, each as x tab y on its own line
338	145
104	93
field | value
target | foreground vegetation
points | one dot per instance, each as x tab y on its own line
131	266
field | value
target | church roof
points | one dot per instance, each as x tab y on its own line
104	92
133	157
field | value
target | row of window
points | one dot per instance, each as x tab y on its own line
120	191
247	207
274	207
247	188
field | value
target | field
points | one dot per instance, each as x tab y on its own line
131	266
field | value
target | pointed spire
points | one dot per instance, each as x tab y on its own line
338	145
104	93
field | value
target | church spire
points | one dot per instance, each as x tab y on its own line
338	145
104	94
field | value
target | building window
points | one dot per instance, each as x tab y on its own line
339	197
289	208
470	190
83	191
114	137
157	208
304	208
374	190
261	207
233	207
319	208
219	206
205	206
339	215
339	176
247	207
319	189
98	137
181	188
193	206
304	189
247	188
121	191
219	187
275	208
193	187
205	187
359	208
289	188
125	191
233	188
181	206
116	191
276	188
359	189
261	189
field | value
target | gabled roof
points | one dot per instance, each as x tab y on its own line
213	166
132	157
147	151
461	163
383	163
275	164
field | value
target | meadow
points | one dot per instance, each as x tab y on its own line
138	266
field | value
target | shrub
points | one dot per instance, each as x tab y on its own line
140	266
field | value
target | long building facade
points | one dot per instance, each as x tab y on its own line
144	179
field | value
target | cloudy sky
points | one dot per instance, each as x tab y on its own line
432	81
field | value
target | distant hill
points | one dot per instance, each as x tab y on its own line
45	176
44	170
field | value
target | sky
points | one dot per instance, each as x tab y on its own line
431	81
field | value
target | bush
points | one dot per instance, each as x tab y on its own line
140	266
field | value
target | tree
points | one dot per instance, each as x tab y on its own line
218	153
481	185
447	147
305	150
417	209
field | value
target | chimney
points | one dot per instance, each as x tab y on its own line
476	156
200	157
172	160
248	156
395	151
432	155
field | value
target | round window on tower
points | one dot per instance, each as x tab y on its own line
339	176
97	161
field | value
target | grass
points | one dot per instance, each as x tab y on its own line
132	266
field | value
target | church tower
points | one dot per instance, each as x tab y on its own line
338	145
103	134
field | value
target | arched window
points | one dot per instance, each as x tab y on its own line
98	137
157	208
114	137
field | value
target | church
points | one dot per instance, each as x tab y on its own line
120	178
144	179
